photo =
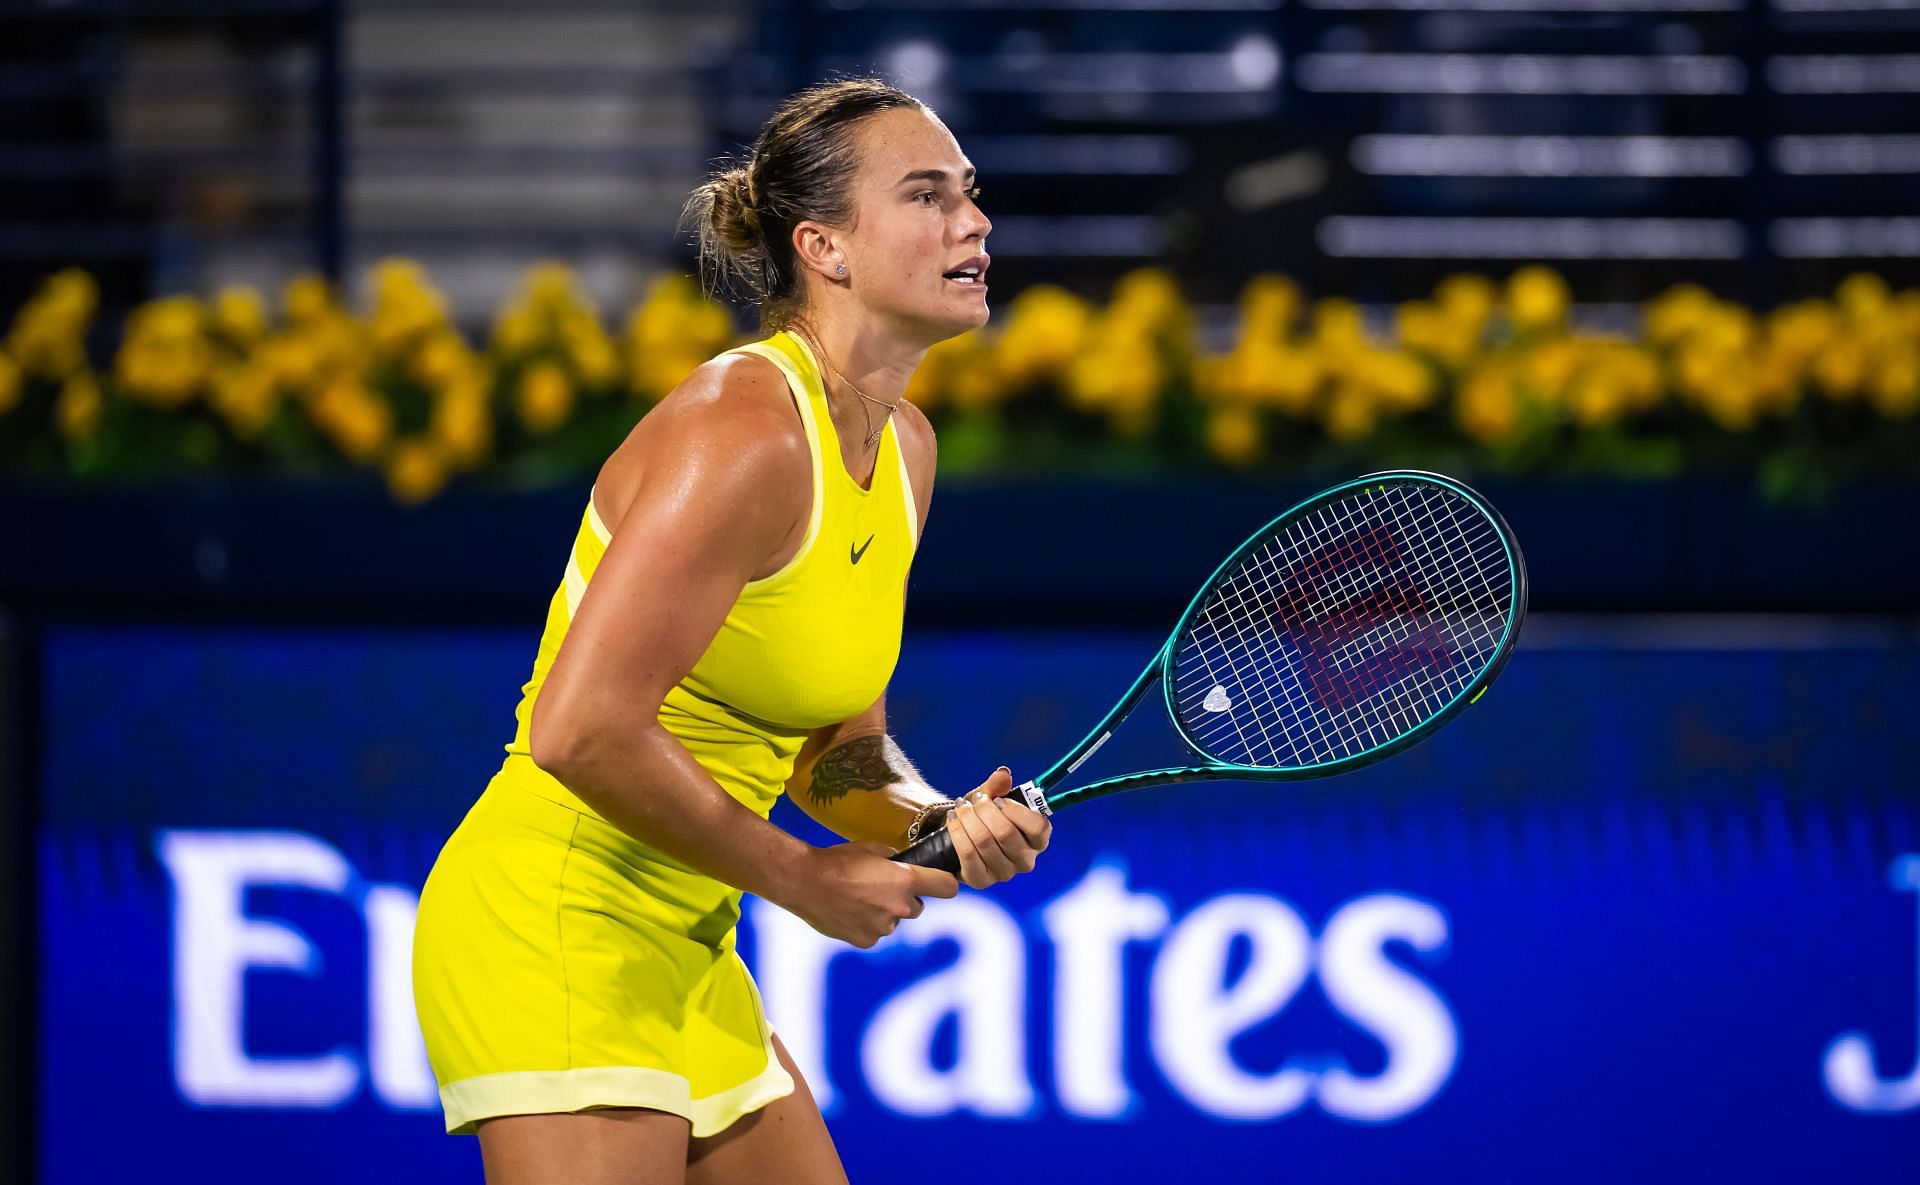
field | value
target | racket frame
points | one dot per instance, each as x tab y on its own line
1040	792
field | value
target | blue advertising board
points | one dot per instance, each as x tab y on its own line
1647	912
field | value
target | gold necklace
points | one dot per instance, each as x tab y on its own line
873	434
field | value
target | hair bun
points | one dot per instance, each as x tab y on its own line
735	220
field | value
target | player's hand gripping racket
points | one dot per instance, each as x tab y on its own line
1348	628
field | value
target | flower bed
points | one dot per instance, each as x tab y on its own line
1483	375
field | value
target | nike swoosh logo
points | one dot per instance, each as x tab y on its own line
861	550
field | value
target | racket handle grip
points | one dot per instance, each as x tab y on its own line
933	850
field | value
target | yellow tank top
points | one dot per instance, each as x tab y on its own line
809	645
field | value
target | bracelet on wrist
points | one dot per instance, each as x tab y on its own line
924	815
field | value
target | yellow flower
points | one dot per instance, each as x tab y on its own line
308	297
1722	382
709	326
48	337
170	318
1776	377
463	422
1727	328
1487	408
165	358
1639	376
1046	327
73	289
654	375
416	470
1803	329
670	333
1597	397
1548	367
407	309
1296	380
1863	296
79	407
1905	312
971	375
1677	312
932	381
1537	300
357	419
1694	368
545	398
515	331
240	314
549	284
1402	382
1122	376
341	345
1894	385
1467	300
1264	372
1233	434
1840	369
1269	305
294	359
1350	413
396	273
1148	300
10	384
441	359
1428	328
591	351
246	398
1337	323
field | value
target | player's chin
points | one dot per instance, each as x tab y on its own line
966	304
942	327
972	321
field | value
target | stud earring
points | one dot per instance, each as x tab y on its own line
840	269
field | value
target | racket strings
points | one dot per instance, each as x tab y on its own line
1348	627
1338	569
1389	651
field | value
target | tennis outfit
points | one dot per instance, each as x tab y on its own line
560	964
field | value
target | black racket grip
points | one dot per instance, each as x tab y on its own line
933	850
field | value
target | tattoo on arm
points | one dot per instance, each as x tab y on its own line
864	763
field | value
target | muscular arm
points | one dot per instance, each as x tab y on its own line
725	475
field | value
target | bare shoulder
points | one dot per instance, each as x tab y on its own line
737	399
729	425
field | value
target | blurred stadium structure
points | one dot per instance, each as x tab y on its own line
1365	147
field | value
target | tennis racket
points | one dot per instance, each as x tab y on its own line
1345	630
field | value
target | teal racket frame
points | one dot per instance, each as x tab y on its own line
1042	792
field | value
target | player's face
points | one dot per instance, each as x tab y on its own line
915	222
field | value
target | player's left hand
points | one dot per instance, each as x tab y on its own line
996	837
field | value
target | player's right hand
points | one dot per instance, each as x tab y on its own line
858	893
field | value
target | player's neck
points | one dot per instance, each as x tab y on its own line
872	360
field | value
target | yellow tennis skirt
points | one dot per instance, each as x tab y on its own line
559	964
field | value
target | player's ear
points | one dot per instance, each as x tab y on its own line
814	248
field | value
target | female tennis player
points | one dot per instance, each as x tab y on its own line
724	633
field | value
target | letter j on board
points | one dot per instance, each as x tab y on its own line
1848	1065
